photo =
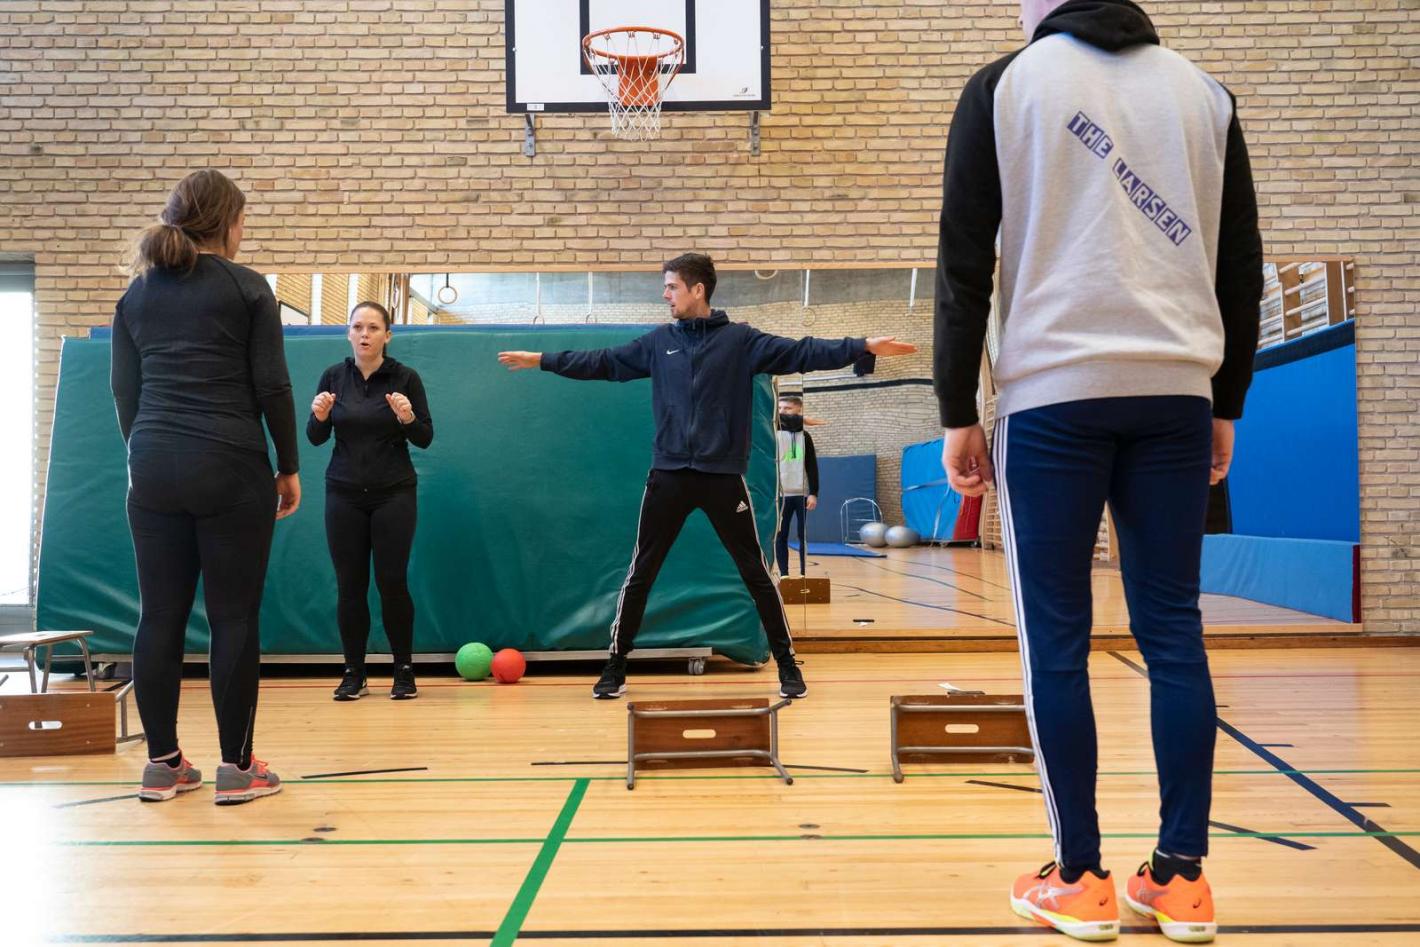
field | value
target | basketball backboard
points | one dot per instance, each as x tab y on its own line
726	52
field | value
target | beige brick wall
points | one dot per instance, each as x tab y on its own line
296	290
370	135
334	300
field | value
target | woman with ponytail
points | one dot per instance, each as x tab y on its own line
376	407
198	364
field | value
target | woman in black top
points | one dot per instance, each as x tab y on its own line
376	407
197	364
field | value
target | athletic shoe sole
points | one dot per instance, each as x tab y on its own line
343	698
235	797
1182	932
620	691
1080	930
163	795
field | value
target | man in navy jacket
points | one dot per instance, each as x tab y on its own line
701	367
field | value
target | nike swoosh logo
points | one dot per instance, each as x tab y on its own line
672	351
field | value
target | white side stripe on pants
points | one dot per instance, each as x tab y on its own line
765	563
635	551
1008	537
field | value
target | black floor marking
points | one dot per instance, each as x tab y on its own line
1369	805
1277	746
983	581
913	575
1365	824
115	686
938	608
1275	839
982	782
748	932
578	763
826	769
370	772
1138	668
90	802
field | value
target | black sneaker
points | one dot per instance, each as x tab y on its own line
403	688
612	683
352	685
791	679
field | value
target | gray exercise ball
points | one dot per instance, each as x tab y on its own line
902	536
873	534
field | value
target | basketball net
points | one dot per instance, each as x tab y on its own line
635	65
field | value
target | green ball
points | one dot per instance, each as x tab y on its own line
474	661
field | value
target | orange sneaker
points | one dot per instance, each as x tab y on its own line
1183	908
1085	910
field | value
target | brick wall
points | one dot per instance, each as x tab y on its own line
370	134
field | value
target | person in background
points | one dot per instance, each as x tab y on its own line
702	369
798	478
376	407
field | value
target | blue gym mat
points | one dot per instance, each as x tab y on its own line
838	549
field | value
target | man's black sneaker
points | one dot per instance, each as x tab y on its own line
791	679
612	683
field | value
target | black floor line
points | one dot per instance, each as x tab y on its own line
1322	795
826	769
369	772
1275	839
913	575
982	782
578	763
938	608
90	802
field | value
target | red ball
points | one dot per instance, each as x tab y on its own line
508	666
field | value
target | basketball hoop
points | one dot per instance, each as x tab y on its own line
635	65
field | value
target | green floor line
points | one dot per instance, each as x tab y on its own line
512	925
558	837
1017	774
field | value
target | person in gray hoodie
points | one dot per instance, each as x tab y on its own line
1116	175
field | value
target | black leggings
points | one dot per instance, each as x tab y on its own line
197	508
359	523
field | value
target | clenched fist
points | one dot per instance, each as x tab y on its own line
401	407
322	404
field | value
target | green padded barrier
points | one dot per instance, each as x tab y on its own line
528	501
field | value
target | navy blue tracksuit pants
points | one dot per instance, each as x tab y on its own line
1056	467
789	508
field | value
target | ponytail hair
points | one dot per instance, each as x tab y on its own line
199	214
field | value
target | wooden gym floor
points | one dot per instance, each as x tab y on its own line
949	599
499	813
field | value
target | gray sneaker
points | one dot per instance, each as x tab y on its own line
236	785
162	782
